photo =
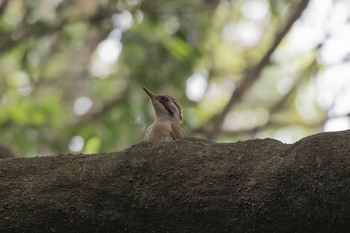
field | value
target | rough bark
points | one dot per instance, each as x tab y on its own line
188	185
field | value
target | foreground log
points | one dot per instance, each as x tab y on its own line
189	185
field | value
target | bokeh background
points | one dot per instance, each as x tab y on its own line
72	72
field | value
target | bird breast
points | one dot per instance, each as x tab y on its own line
159	131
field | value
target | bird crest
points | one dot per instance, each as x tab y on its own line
179	107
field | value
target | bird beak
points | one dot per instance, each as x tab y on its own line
150	94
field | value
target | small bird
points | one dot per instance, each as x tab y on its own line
169	115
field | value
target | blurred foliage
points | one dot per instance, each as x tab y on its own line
72	72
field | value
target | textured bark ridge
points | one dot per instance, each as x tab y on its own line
188	185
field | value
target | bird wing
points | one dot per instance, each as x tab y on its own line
176	132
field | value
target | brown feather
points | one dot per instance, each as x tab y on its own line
176	132
179	107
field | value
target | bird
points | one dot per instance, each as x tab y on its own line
168	116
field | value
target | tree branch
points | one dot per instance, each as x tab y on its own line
107	107
281	103
21	36
45	29
188	185
253	74
3	4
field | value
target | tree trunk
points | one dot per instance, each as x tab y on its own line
188	185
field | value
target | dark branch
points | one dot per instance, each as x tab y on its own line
47	29
278	106
3	4
23	35
105	109
253	74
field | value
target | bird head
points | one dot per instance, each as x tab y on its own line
165	106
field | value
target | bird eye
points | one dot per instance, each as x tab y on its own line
165	99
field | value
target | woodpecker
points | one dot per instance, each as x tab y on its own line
168	116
